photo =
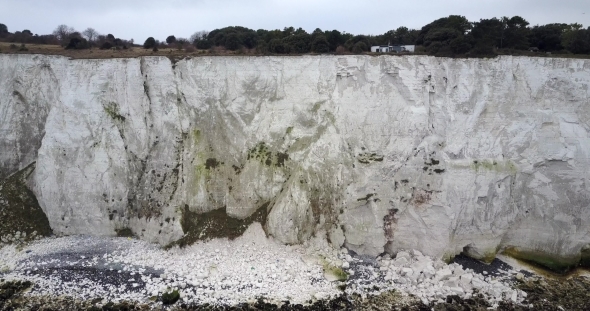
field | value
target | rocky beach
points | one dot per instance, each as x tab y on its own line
254	272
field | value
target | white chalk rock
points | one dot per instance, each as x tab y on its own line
466	279
429	271
403	254
443	274
478	283
407	272
400	262
232	133
421	264
452	282
458	270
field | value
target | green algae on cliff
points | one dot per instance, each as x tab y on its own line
215	224
554	263
506	166
112	109
19	210
262	153
367	158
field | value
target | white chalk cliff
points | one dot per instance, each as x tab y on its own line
378	154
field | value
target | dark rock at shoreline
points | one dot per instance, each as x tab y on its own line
543	294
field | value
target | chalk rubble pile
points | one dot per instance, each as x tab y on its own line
219	271
231	272
431	280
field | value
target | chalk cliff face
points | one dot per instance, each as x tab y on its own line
376	153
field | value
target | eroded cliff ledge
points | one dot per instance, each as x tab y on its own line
377	154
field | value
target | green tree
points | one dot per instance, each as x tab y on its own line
405	35
336	38
486	35
171	40
217	38
277	46
288	31
402	35
269	35
438	35
360	47
241	36
262	47
320	44
78	44
548	37
458	23
437	48
580	43
249	39
3	29
149	43
298	42
443	35
317	32
351	43
203	44
460	45
576	39
516	33
386	38
232	41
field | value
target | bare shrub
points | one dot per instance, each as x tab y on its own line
341	50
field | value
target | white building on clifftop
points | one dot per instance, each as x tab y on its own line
392	48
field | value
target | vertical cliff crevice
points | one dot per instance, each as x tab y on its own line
28	96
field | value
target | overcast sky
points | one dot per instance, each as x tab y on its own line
139	19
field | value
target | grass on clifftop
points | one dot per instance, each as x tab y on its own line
175	54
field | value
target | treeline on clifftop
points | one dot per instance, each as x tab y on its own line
67	37
448	36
